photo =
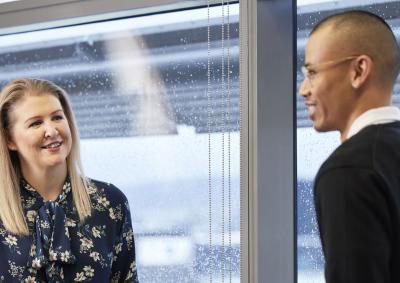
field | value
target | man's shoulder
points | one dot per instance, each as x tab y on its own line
363	149
355	151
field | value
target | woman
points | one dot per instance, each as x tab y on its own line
55	224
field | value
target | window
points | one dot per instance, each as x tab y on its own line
313	148
138	87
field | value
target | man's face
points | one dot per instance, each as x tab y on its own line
327	90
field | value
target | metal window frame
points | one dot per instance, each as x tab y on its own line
26	15
269	140
268	173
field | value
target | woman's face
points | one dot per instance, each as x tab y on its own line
39	133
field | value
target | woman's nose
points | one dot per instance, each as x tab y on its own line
50	131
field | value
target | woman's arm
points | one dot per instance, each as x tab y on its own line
124	261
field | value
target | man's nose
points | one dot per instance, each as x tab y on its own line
304	89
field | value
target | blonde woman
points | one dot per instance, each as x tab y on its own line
56	225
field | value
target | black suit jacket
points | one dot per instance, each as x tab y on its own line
357	200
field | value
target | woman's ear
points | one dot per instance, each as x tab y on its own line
11	145
361	70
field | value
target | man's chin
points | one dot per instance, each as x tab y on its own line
322	128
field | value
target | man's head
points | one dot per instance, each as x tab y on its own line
351	63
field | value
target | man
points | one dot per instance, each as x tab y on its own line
351	64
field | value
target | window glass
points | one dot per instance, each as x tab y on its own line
313	148
138	87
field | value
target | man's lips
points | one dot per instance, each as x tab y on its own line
311	109
309	103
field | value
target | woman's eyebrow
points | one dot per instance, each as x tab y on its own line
38	116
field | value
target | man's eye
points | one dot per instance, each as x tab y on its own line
311	73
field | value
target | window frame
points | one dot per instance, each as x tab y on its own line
269	139
268	108
27	15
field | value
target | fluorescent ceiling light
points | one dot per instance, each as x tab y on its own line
6	1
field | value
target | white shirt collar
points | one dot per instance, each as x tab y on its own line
380	115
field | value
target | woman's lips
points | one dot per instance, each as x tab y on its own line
53	147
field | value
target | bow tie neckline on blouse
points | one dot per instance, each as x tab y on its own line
51	234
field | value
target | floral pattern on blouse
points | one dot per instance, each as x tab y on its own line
61	249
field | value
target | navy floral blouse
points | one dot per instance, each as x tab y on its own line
61	249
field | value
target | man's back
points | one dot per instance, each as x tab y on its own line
357	195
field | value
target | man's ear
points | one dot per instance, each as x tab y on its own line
361	70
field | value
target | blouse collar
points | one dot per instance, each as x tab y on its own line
33	193
48	224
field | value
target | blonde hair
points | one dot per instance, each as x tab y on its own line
11	212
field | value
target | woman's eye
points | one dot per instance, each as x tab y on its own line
35	124
58	117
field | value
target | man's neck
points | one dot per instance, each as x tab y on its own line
377	115
374	98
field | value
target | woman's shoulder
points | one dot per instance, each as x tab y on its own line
106	192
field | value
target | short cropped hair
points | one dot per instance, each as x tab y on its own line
367	33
